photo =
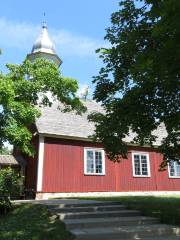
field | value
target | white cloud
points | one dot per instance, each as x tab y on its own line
21	35
70	44
17	35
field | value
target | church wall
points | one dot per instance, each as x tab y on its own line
63	171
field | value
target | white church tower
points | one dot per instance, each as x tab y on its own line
43	47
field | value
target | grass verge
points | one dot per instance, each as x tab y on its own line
167	209
32	222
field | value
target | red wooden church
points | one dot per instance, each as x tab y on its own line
68	163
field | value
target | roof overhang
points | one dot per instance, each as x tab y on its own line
89	140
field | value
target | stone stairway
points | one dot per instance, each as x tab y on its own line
112	221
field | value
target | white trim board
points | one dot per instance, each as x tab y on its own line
40	163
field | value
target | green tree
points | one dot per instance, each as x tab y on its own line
11	185
5	150
23	90
139	85
10	182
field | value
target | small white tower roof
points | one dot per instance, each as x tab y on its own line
43	47
43	43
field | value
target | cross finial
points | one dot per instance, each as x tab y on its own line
44	24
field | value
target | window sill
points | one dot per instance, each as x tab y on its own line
174	177
141	176
94	174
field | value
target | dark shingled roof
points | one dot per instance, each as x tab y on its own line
8	160
69	124
11	160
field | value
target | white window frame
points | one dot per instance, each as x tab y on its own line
103	161
148	164
169	172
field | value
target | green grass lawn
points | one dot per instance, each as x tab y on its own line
32	222
167	209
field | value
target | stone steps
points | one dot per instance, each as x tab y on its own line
148	238
84	215
160	238
88	209
110	221
124	232
82	203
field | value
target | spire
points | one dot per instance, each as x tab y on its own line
44	47
44	24
43	43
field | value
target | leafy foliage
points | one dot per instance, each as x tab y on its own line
10	182
23	91
10	185
5	150
5	205
139	85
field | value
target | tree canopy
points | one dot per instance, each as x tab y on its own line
4	150
139	84
23	90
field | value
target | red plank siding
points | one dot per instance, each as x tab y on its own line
130	183
63	171
31	167
164	183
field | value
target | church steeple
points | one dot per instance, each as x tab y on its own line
43	47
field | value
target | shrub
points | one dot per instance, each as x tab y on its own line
10	186
11	183
5	205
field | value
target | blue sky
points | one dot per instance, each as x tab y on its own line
77	28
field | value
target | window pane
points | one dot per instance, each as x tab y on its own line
136	157
137	165
140	165
94	161
90	162
177	169
144	165
137	171
90	155
90	168
98	161
172	169
144	171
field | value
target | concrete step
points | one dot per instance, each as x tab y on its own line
109	222
82	204
128	233
149	238
121	213
88	209
161	238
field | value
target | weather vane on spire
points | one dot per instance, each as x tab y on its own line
44	24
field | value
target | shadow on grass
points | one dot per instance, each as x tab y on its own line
32	222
